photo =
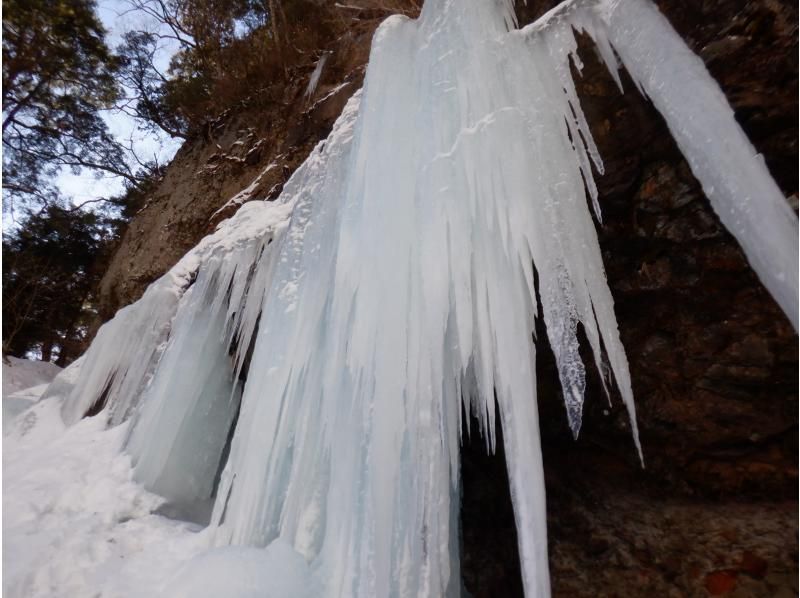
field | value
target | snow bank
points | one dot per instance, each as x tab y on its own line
19	401
24	382
19	374
74	523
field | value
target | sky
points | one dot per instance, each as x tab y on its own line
118	18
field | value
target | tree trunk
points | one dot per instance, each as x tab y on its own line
47	350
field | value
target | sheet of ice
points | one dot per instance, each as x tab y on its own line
186	419
180	433
125	351
179	437
423	294
408	285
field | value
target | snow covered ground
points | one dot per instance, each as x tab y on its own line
76	525
73	522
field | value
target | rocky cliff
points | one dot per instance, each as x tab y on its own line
713	360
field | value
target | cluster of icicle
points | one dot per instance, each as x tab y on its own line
307	368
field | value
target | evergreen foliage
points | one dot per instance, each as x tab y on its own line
50	272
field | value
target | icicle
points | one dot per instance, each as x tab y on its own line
125	353
734	177
179	438
315	76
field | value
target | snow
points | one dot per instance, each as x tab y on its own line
333	91
306	367
74	524
19	401
24	382
19	374
246	194
276	571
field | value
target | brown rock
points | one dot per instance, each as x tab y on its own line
753	565
720	582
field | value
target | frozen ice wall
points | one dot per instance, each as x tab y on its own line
125	354
390	289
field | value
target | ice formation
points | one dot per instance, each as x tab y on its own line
308	366
315	76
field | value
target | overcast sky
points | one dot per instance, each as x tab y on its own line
118	18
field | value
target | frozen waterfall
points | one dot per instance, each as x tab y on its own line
307	367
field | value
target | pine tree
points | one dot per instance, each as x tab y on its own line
50	272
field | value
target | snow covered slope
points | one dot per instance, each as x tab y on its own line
73	522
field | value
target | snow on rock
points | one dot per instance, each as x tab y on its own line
246	194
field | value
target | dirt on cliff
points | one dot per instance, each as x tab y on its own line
713	359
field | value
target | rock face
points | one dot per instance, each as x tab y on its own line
247	153
713	359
